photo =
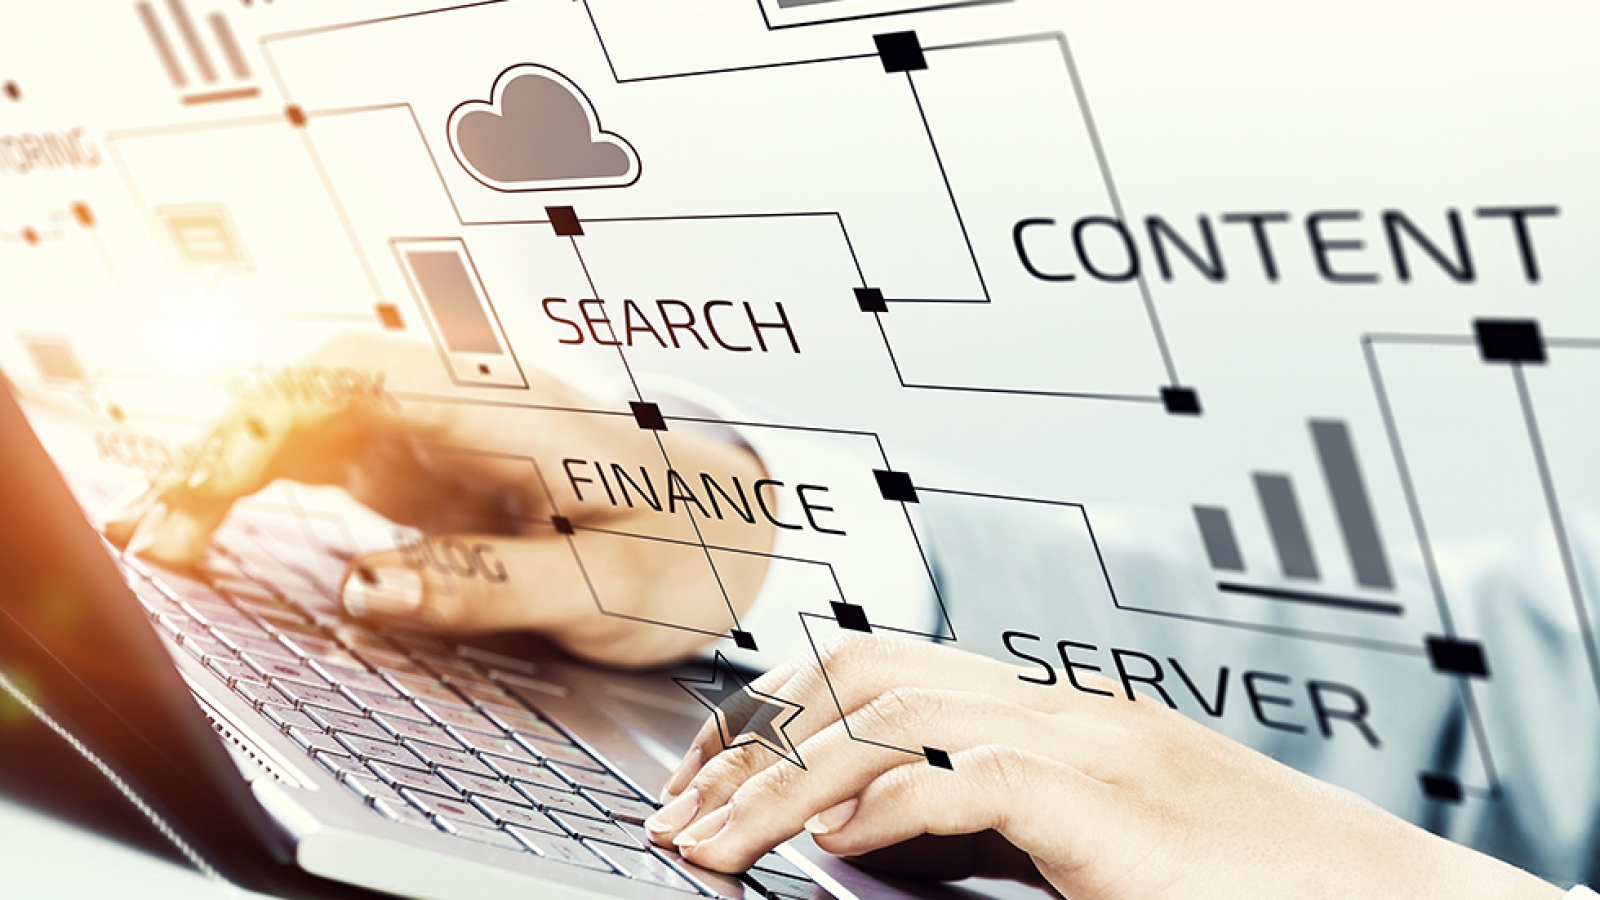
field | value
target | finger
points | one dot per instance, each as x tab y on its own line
1045	808
475	583
122	515
852	673
781	799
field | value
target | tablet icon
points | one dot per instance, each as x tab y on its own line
463	322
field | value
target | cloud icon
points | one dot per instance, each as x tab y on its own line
538	132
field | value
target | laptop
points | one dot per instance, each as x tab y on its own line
276	743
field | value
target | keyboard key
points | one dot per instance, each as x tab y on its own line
640	865
369	788
521	816
340	765
388	662
289	671
446	808
391	705
305	695
784	886
559	849
399	812
258	695
418	731
284	717
484	835
533	773
558	801
262	647
312	741
346	723
623	809
597	781
400	777
564	754
527	724
448	666
381	751
458	717
714	884
480	786
235	672
595	830
421	689
496	744
351	678
246	629
455	759
772	862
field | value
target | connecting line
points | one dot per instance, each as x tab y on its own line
832	692
1105	573
1547	481
1101	159
572	545
1480	736
606	52
955	206
932	7
660	444
1407	486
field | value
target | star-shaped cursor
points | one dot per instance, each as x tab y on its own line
745	715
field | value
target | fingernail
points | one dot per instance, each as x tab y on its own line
149	530
704	830
382	590
674	815
687	769
833	818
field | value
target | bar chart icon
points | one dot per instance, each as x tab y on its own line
193	60
1292	546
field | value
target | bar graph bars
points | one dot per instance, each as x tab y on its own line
1291	539
210	87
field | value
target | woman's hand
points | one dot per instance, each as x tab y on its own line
1106	798
487	478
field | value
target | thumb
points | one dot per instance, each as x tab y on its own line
450	582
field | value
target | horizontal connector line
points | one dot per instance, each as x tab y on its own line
1378	607
1073	395
1442	340
502	404
1302	634
778	427
860	17
923	300
1573	343
360	23
921	489
156	131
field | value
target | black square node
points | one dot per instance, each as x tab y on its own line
871	300
744	640
851	617
564	220
483	368
900	51
1181	401
1452	657
649	417
296	115
895	485
563	524
1444	788
1509	340
938	758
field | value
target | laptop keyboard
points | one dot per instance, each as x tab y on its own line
424	733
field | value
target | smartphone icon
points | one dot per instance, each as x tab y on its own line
463	321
